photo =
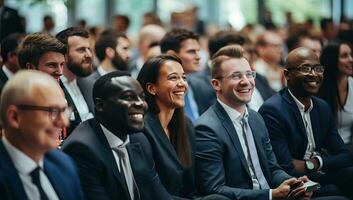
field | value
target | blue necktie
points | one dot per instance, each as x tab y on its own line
253	158
190	107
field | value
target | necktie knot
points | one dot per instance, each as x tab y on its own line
121	151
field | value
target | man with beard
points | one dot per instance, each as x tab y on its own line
114	163
79	64
302	129
112	50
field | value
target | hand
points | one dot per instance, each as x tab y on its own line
282	191
307	195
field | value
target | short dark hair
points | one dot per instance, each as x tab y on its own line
100	86
222	55
35	45
72	31
224	38
173	39
324	22
149	73
103	42
123	18
9	44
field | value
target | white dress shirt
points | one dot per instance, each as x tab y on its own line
77	98
236	117
345	116
7	72
25	165
102	71
308	128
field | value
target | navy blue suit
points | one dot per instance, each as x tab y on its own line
58	167
289	139
98	170
176	179
221	166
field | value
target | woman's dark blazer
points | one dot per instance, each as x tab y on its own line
177	180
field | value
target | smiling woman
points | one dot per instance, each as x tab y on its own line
170	133
337	86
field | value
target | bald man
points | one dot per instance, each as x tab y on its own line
302	130
32	116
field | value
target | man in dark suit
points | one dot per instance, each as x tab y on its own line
9	21
95	144
8	53
79	63
302	130
233	153
32	116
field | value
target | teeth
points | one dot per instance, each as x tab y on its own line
137	116
312	83
179	93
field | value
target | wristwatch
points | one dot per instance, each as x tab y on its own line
309	165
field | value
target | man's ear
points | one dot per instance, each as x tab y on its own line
171	52
12	117
30	66
216	84
151	88
286	74
99	105
109	52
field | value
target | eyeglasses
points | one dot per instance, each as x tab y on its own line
54	113
306	69
239	75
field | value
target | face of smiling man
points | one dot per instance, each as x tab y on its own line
303	84
124	107
232	90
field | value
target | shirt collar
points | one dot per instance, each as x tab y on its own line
66	81
300	105
113	140
102	71
6	70
232	113
23	163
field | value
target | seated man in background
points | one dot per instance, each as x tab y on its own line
303	133
33	113
43	52
114	163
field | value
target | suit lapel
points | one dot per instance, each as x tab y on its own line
105	151
228	125
295	110
256	131
56	179
14	181
158	131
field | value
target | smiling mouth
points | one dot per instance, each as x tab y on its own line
244	90
312	83
179	93
136	116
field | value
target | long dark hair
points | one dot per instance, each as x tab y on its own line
179	137
329	90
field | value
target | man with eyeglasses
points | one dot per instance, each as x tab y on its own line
234	157
33	113
302	129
